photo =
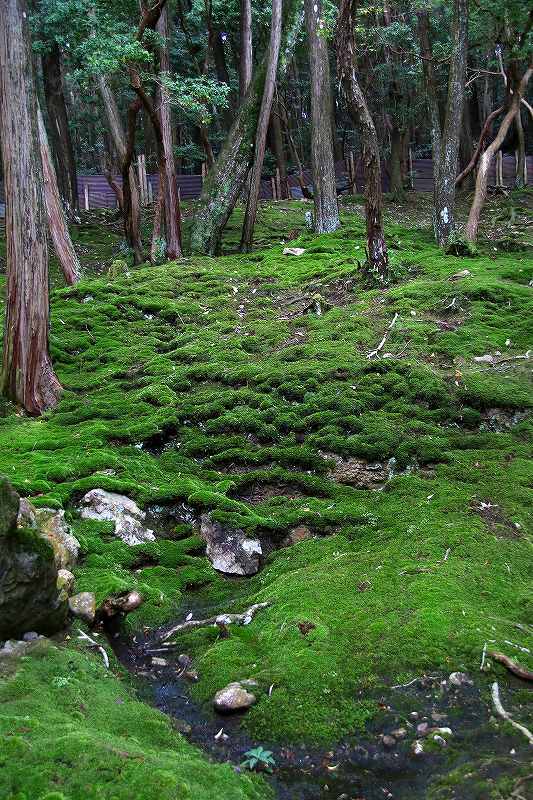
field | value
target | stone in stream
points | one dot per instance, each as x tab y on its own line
29	597
234	697
229	549
126	515
83	605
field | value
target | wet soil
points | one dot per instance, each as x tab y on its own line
365	767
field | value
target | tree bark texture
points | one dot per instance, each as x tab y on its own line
262	126
486	159
245	71
396	178
378	263
444	183
326	218
132	207
278	147
60	138
225	181
520	152
57	223
27	376
426	53
171	204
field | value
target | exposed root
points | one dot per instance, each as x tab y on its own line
222	620
500	710
93	643
512	666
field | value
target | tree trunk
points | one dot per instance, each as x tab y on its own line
426	54
27	377
396	179
245	71
57	223
131	205
60	138
171	204
225	181
444	184
378	263
521	151
486	159
279	150
326	218
466	150
485	131
262	126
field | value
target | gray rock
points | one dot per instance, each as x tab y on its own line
459	679
54	527
65	580
389	742
30	636
126	515
229	549
83	605
234	697
29	598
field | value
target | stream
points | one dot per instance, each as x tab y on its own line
365	767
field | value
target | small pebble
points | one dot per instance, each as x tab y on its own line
389	741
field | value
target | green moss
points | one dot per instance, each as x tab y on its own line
72	730
198	381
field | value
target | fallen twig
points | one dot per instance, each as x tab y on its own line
404	685
98	646
500	710
220	619
512	666
483	657
386	336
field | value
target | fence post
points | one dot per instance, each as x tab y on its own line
86	196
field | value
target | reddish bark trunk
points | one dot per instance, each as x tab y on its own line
57	223
245	72
27	377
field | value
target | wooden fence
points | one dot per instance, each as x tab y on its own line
95	192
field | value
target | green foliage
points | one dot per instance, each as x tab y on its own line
259	759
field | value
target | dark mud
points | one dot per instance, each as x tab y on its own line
365	767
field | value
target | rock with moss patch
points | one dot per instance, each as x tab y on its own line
29	598
126	515
295	535
229	549
54	527
65	580
83	606
233	697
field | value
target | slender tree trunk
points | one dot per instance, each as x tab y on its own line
431	88
156	231
396	180
262	126
378	263
485	131
466	149
28	377
171	205
130	194
131	205
245	72
279	150
57	223
225	181
521	151
486	159
326	217
60	138
444	185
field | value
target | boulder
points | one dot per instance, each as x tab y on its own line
54	527
83	606
234	697
229	549
126	515
29	597
123	604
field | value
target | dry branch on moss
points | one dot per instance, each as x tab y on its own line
512	666
219	619
500	710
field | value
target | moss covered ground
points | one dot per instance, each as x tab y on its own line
235	385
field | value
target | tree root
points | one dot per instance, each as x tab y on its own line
500	710
512	666
95	644
220	619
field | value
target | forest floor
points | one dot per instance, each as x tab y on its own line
256	387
